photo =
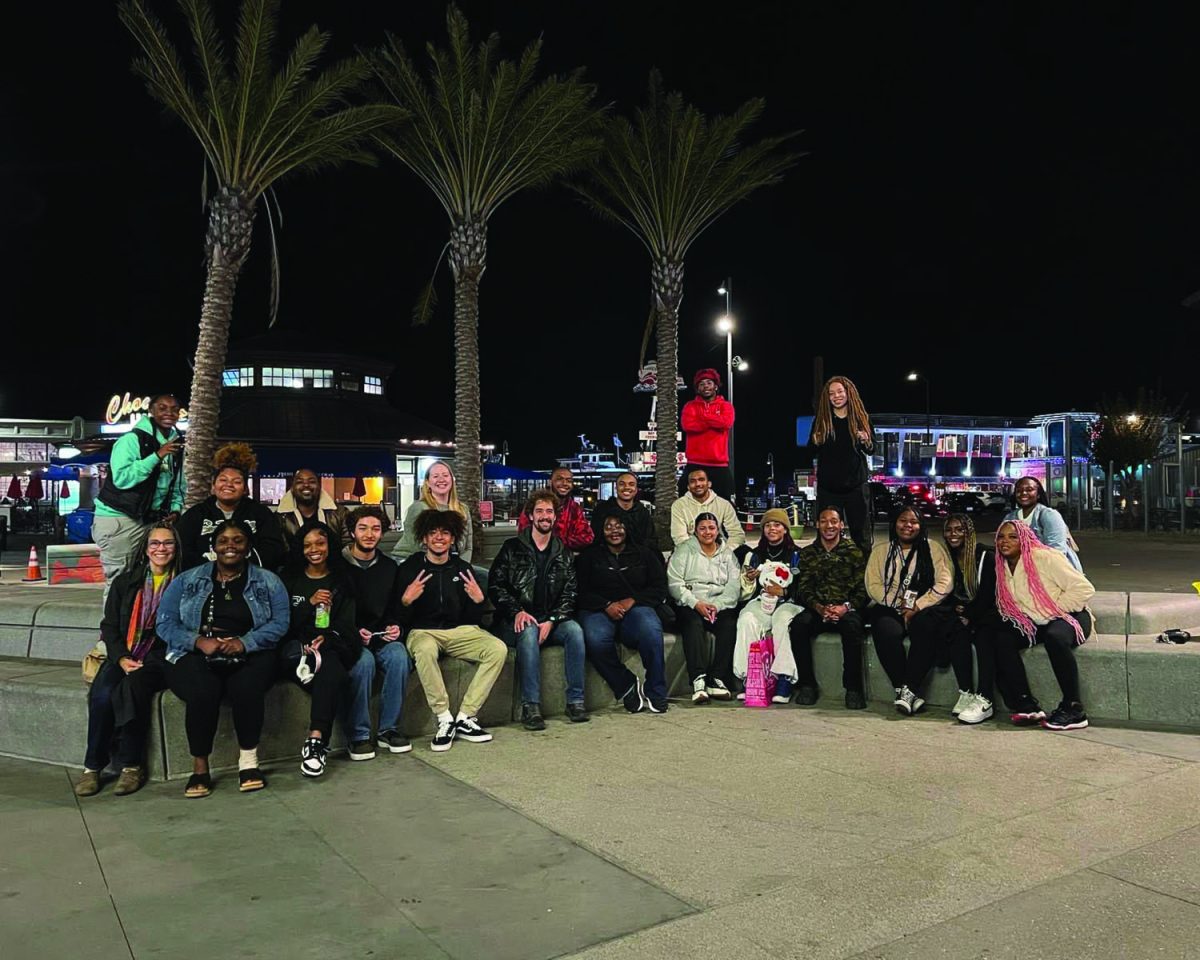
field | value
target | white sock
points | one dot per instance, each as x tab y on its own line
248	759
445	717
461	716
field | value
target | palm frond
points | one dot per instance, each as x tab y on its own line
428	298
209	51
253	51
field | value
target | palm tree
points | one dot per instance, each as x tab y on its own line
478	131
667	176
254	125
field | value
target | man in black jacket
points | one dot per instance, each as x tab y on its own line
440	603
373	576
635	517
532	587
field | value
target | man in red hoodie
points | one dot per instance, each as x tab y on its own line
707	420
570	525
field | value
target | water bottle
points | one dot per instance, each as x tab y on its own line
322	618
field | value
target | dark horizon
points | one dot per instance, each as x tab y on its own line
1002	197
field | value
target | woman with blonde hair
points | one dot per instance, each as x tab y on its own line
439	491
841	439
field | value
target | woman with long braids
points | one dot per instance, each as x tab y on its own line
971	605
841	438
1041	599
906	577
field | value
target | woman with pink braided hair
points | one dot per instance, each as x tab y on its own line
1041	599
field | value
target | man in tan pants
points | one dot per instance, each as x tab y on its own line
440	607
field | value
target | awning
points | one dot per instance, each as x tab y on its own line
501	471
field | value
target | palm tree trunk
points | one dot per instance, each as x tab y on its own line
468	260
666	281
230	222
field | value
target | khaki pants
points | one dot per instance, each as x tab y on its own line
470	643
121	541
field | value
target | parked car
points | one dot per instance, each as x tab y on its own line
881	500
995	501
965	501
920	497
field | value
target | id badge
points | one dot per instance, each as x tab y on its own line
910	599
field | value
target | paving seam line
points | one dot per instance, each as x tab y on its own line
1139	886
99	866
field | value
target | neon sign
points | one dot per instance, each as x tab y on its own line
131	409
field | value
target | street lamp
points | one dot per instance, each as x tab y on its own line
741	365
913	377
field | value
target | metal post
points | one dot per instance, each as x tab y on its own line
1145	498
1111	487
1179	477
729	374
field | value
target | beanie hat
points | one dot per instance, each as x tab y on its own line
779	515
708	373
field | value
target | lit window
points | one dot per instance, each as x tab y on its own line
373	385
238	377
297	377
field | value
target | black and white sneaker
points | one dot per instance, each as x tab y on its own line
717	690
635	699
394	741
907	701
443	739
1067	716
361	750
657	706
468	728
313	755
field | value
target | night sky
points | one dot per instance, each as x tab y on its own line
1004	195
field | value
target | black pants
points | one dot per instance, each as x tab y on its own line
201	686
140	687
1058	638
805	627
721	479
327	689
856	510
952	644
888	630
700	663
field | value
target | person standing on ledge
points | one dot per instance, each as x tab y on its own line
707	420
841	440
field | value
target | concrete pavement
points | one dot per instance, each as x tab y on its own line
715	831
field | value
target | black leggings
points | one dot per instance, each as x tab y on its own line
807	624
201	685
888	630
327	689
856	511
1057	637
953	640
718	665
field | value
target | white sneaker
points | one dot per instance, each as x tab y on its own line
718	691
979	710
313	757
965	699
699	690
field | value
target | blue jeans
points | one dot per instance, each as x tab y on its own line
569	635
393	661
640	629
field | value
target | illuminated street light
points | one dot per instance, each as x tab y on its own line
725	324
741	364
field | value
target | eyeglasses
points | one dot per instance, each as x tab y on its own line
161	543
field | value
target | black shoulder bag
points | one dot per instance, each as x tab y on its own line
666	613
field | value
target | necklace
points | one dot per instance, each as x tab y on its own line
226	582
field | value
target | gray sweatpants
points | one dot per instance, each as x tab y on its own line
121	541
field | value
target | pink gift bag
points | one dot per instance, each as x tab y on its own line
760	681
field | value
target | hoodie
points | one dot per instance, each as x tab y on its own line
197	524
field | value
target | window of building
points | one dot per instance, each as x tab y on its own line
297	377
373	385
32	453
238	377
8	453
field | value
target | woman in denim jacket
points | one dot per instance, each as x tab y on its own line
222	622
1033	509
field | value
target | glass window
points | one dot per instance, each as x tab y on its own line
31	452
8	453
238	377
373	385
271	489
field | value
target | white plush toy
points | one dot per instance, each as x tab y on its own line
773	574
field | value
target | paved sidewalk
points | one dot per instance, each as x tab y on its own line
708	832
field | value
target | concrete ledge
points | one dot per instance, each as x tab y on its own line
1152	613
14	640
65	644
1164	679
1111	610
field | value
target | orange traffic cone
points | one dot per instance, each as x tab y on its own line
35	572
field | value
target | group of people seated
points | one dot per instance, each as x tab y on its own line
225	599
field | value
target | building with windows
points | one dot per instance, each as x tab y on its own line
989	453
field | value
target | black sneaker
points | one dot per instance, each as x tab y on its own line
635	699
806	694
531	716
443	738
468	728
1028	713
394	741
313	756
1067	716
855	700
577	713
658	706
362	750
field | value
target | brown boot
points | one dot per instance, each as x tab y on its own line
88	784
130	781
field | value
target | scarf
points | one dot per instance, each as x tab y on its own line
141	636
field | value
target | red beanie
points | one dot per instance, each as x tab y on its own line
708	373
